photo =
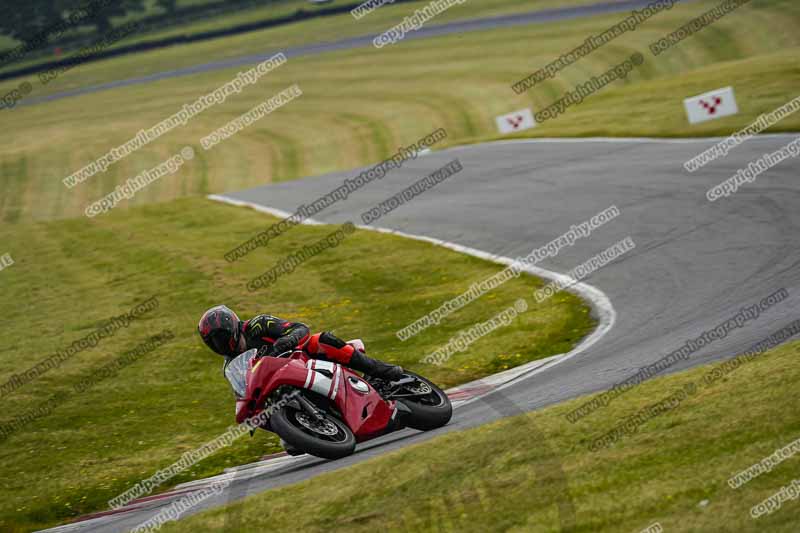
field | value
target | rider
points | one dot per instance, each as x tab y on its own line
223	332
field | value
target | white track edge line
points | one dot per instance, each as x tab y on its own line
601	304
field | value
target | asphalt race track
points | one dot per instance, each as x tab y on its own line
696	263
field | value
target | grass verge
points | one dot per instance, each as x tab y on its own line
69	277
359	105
672	471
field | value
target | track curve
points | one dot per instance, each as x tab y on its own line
695	265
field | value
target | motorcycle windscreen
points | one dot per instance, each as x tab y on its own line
236	372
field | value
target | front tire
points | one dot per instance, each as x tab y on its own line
430	410
329	438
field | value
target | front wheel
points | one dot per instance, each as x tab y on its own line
329	438
429	405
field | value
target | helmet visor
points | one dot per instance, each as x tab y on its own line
223	343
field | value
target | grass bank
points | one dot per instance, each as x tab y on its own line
536	472
70	277
358	106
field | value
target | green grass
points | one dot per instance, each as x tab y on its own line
71	273
359	105
71	276
515	474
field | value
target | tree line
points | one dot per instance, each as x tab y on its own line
35	23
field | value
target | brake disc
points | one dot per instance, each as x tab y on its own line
420	387
323	427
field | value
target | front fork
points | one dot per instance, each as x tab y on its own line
289	396
309	407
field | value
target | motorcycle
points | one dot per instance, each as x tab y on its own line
323	408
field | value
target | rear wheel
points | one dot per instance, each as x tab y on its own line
329	438
429	405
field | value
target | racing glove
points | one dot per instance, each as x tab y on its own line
284	344
264	351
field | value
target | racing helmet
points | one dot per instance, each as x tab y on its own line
220	329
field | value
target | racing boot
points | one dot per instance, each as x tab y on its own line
374	368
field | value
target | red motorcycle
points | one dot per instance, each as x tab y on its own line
323	408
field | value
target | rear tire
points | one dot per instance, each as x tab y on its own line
297	428
432	411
